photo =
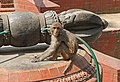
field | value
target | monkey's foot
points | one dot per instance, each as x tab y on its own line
51	58
36	58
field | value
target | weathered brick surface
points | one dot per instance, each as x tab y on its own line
26	6
108	43
98	6
110	65
23	76
7	3
3	75
118	75
110	74
50	72
7	6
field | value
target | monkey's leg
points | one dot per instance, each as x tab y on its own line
70	63
35	58
53	57
39	58
42	56
68	67
50	51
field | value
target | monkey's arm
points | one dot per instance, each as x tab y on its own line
49	52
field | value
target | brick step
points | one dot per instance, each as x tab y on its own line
7	9
22	70
6	1
9	5
0	4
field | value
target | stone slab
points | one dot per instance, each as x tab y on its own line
15	65
20	58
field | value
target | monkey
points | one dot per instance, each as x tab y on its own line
63	43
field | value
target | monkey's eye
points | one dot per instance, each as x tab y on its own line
56	28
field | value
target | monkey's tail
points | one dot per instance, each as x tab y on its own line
93	56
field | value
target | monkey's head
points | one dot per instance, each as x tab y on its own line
56	28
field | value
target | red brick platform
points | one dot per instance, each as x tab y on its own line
110	66
20	69
46	74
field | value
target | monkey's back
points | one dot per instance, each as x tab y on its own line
71	41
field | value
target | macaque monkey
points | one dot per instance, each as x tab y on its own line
63	43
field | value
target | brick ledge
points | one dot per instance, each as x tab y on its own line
105	59
7	9
46	72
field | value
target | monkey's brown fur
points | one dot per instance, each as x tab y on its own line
63	43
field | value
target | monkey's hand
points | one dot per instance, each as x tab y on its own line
36	58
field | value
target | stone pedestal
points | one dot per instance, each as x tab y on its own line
15	66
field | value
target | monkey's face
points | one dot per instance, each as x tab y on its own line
55	31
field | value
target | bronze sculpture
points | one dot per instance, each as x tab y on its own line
25	27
